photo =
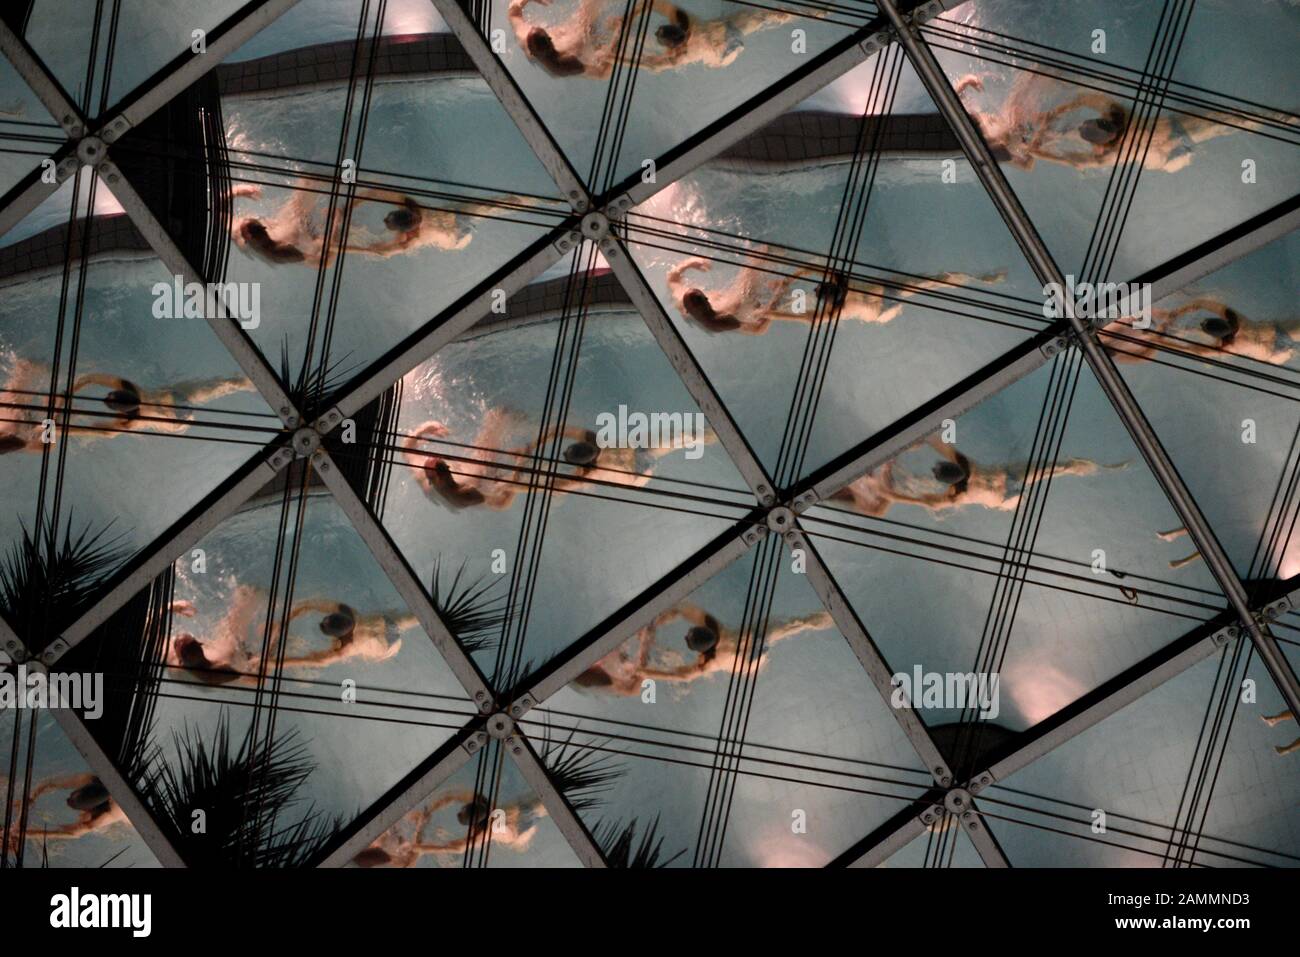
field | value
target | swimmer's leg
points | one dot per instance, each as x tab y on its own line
1171	535
1288	749
1187	560
1275	719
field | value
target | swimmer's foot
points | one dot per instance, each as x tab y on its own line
1171	535
1273	720
1291	748
1182	562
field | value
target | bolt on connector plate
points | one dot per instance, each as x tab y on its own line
500	726
91	150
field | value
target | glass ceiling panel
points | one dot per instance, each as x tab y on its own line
655	77
1058	117
28	134
766	239
808	782
478	407
484	815
134	40
944	844
152	396
72	821
354	694
1222	349
1141	766
446	190
1043	609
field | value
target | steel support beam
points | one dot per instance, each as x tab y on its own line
53	97
869	655
202	519
407	795
102	765
252	362
566	819
514	102
1098	359
405	580
977	829
1112	697
689	370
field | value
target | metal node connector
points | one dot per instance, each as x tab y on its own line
501	726
91	150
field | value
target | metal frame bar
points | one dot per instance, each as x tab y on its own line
690	371
208	514
42	82
407	794
1098	359
575	832
986	844
404	579
250	360
514	102
102	765
225	39
780	97
869	655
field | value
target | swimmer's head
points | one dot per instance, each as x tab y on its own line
373	857
697	304
542	48
254	231
339	624
475	813
1000	153
403	219
92	796
1223	328
670	35
125	401
584	452
1104	130
834	290
189	651
949	473
11	443
701	639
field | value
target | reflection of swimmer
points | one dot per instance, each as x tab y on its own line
582	45
95	807
686	39
866	301
139	409
968	483
1274	719
1025	129
24	405
874	493
1217	329
472	479
512	826
748	304
412	226
714	648
1172	535
352	634
289	236
225	656
595	465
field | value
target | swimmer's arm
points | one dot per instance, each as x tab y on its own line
99	378
321	605
516	14
431	428
199	393
676	274
818	621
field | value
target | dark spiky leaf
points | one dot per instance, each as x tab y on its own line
621	848
581	773
470	610
48	578
243	792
